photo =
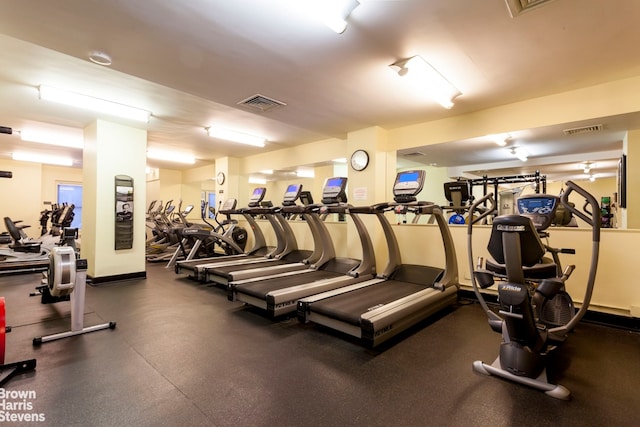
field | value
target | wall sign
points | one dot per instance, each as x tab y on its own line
124	212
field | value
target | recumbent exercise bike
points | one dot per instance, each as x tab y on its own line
535	314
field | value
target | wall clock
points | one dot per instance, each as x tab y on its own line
359	160
220	178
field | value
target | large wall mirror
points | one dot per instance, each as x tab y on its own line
588	152
310	175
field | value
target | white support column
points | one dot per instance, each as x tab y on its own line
109	150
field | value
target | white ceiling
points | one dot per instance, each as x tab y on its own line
191	62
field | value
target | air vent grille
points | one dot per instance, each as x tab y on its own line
516	7
583	129
413	154
261	103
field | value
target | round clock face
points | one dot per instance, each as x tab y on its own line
220	178
359	160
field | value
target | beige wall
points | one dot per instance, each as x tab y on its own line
615	287
22	195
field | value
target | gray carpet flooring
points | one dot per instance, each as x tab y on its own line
183	355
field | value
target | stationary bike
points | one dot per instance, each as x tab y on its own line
66	280
531	321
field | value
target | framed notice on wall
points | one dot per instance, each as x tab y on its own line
124	212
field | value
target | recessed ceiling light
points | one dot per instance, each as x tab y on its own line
100	58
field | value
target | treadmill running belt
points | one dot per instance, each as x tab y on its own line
348	307
261	288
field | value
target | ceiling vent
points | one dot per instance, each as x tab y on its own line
261	103
583	129
516	7
413	154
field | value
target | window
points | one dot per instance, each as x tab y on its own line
72	195
212	203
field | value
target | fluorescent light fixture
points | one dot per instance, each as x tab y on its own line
592	177
305	173
70	137
170	156
267	171
422	75
41	158
257	180
78	100
340	160
520	153
332	13
232	135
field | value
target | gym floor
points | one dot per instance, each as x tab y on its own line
183	355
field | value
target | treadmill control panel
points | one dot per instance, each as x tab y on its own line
257	196
408	184
334	190
541	208
292	194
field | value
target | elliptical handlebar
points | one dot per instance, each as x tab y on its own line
474	207
493	317
593	217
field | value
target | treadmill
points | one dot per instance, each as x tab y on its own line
278	294
259	251
289	259
403	294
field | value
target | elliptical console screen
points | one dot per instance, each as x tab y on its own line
292	193
334	190
541	208
408	183
228	205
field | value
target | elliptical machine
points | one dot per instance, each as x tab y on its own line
531	321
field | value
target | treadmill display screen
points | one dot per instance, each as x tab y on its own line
408	183
408	177
292	193
258	194
334	190
335	182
